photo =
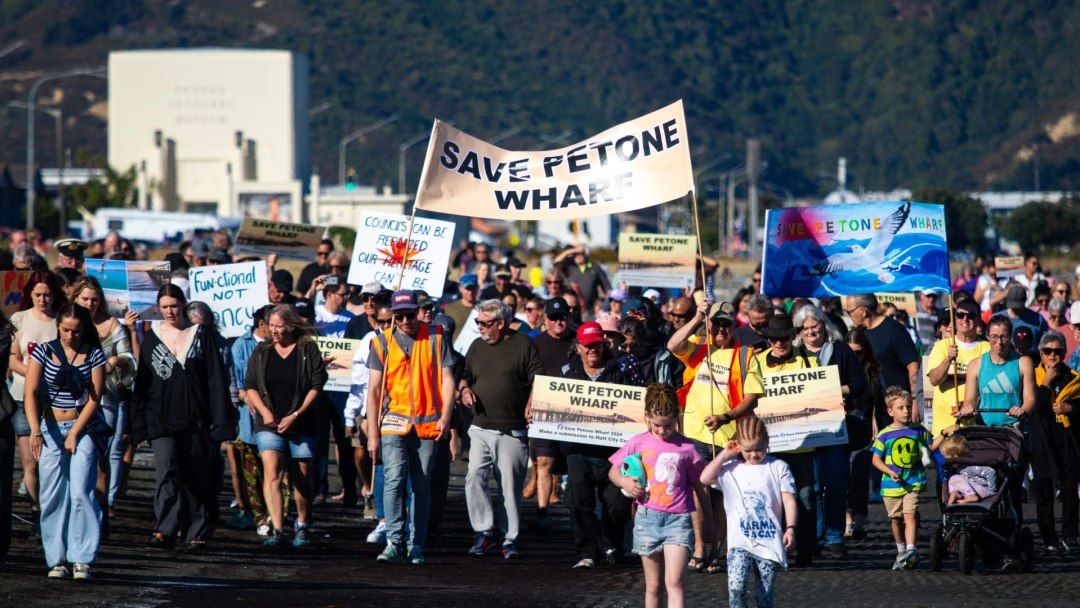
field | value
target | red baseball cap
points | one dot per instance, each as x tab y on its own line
590	333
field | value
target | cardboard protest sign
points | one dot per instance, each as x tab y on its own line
903	301
636	164
803	408
130	285
12	283
576	411
1009	266
833	250
233	291
339	369
380	251
293	241
657	260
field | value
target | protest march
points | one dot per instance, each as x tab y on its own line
658	414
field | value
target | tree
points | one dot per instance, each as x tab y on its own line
965	217
1039	224
114	189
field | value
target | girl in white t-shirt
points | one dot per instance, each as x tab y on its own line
759	498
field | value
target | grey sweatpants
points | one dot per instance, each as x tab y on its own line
510	457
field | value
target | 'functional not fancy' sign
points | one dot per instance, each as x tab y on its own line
233	291
636	164
576	411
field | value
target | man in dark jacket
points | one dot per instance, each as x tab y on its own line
588	465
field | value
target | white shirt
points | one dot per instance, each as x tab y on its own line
357	401
331	325
755	511
1030	284
467	333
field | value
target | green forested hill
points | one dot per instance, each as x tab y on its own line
913	92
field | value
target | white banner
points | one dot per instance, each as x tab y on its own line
380	251
233	291
636	164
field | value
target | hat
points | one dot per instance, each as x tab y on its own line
515	263
722	311
200	248
652	294
1078	270
468	280
632	304
1016	297
503	271
372	288
969	307
1023	340
609	323
556	306
779	326
590	333
446	322
219	256
282	280
616	295
423	300
403	299
1074	313
71	248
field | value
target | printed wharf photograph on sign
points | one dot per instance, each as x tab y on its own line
657	260
803	408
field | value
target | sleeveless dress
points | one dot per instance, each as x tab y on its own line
1000	388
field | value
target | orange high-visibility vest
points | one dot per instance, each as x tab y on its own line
412	399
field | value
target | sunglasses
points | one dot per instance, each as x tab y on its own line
486	324
960	316
1053	351
322	253
784	339
685	315
405	316
556	319
554	282
334	267
384	322
367	297
1002	338
531	309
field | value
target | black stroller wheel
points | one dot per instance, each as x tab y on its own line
1027	549
966	552
937	548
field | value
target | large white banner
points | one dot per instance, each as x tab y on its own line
233	291
380	252
636	164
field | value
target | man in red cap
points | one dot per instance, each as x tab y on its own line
588	466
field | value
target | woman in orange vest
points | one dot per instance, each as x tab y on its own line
411	380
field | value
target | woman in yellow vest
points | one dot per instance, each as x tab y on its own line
411	378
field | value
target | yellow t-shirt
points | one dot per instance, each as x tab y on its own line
944	397
758	367
697	399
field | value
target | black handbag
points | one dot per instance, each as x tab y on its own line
7	404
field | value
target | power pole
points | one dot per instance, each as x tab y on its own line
753	164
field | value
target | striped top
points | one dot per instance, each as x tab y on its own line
55	396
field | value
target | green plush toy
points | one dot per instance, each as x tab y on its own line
632	466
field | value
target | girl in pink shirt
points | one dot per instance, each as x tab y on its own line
663	533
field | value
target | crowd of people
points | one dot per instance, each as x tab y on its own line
451	375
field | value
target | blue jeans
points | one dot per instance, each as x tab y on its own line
116	417
831	477
70	513
407	459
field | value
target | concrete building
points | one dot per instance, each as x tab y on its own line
211	130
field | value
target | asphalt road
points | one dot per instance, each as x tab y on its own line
339	569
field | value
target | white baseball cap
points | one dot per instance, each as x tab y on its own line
652	294
1078	270
1074	313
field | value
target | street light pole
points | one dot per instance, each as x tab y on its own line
31	95
355	135
401	158
57	114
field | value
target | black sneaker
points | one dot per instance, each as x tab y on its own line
835	551
481	544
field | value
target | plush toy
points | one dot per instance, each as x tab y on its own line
632	466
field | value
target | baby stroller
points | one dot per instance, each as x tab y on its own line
995	525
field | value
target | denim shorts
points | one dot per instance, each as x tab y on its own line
19	421
296	446
655	529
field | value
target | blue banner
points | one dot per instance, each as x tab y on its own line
835	250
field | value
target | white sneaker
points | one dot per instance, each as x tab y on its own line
82	572
60	571
585	564
378	535
263	530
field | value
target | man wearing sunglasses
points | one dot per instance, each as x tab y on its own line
759	307
363	324
949	355
893	346
411	379
318	268
496	384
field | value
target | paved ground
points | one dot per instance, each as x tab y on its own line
340	570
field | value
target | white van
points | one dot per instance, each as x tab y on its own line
152	227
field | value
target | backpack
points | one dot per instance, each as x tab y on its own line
68	377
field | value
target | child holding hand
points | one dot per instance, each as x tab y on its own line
896	454
663	532
759	498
